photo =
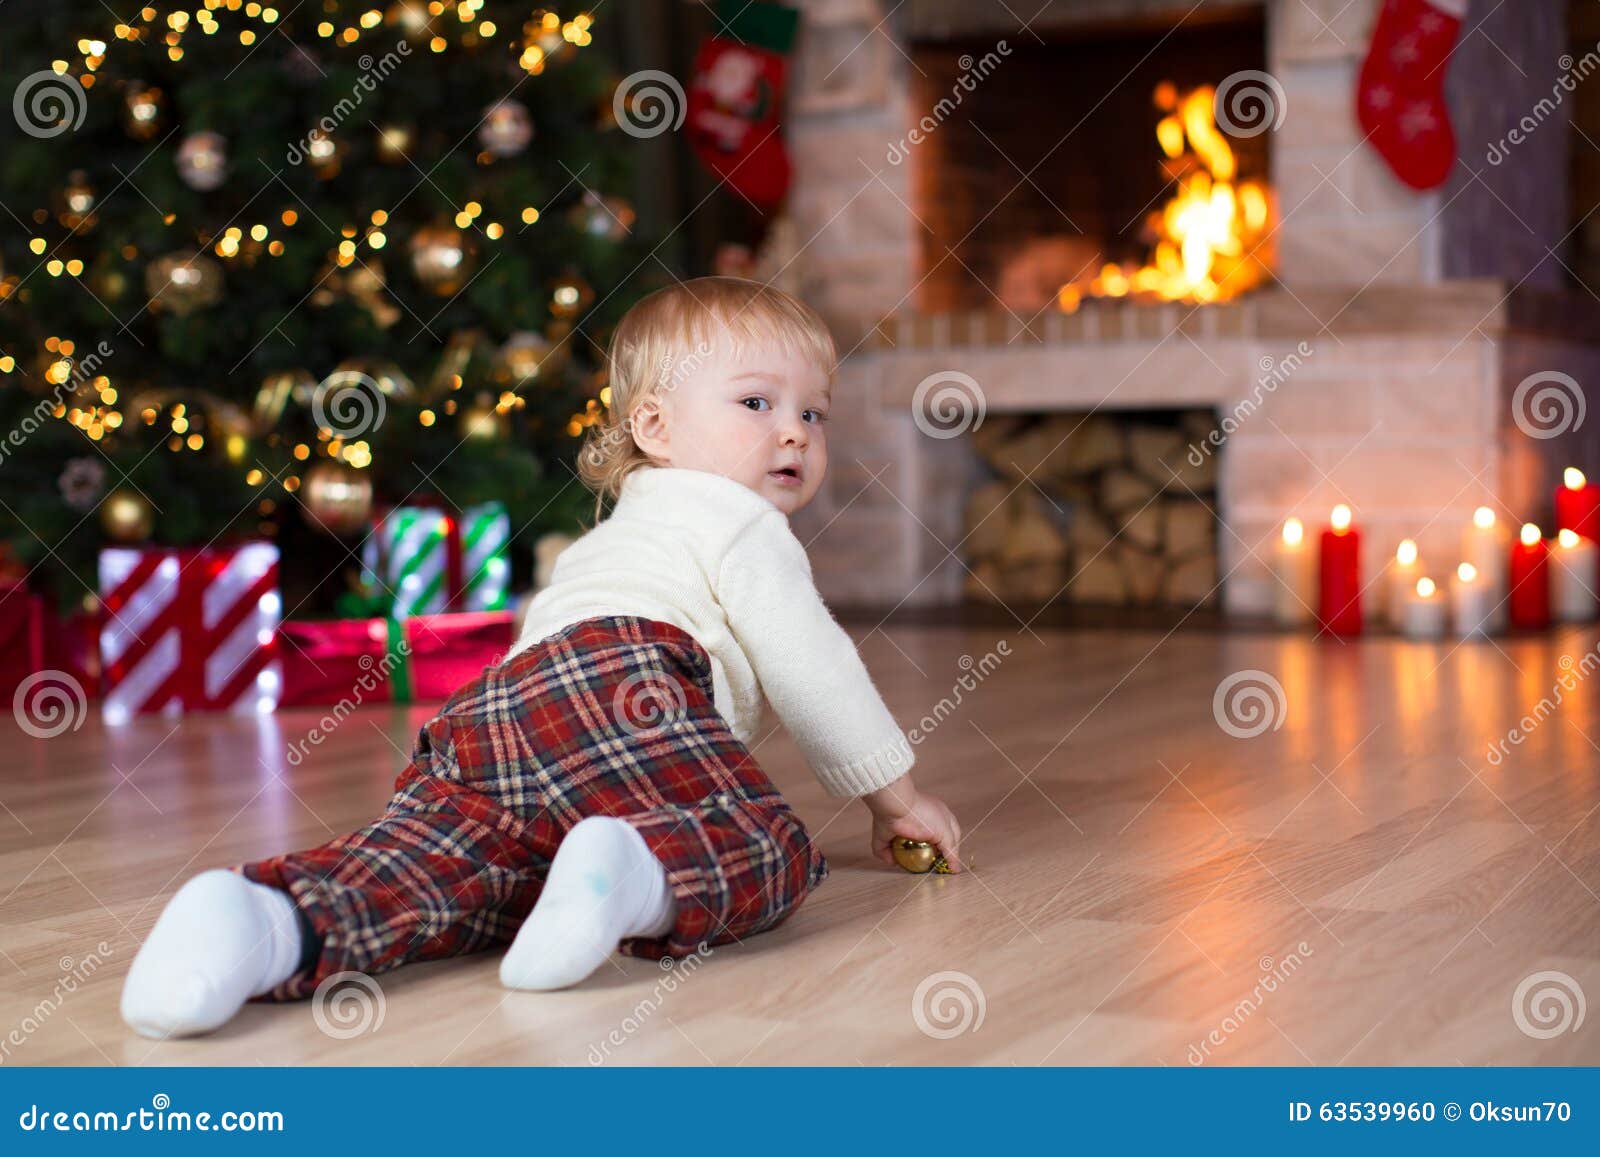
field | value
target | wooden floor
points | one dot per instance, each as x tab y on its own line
1360	885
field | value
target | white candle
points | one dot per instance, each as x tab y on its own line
1572	579
1294	595
1471	599
1487	546
1423	611
1404	572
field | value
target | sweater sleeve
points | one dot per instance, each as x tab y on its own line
808	668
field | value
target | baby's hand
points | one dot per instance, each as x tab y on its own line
901	810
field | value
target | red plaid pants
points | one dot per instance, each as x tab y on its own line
610	716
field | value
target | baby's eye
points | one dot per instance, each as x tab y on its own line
759	401
817	415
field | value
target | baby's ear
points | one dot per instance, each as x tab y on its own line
649	426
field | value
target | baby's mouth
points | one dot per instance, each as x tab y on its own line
788	474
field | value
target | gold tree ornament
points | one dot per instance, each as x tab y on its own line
570	295
506	128
325	153
920	857
278	393
126	516
609	218
144	109
485	420
337	497
440	258
524	357
75	203
183	282
395	143
203	161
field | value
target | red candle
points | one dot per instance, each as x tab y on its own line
1530	580
1339	591
1578	505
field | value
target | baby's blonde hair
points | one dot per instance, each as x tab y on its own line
666	337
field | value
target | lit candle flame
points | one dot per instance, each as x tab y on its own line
1573	477
1425	588
1483	518
1406	553
1293	531
1466	572
1530	534
1568	539
1340	518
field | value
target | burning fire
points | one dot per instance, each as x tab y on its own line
1211	237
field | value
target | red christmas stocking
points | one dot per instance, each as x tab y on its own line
734	99
1400	94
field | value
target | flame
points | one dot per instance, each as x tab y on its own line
1406	553
1426	587
1530	534
1210	236
1293	531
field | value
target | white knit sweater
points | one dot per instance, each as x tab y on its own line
713	557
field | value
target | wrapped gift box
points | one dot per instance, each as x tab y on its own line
186	629
420	659
429	561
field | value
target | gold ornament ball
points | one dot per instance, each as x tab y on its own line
338	497
203	161
609	218
325	153
126	516
183	282
919	856
525	356
395	143
569	296
439	258
143	109
75	203
483	420
506	128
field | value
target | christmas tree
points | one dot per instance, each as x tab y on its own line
262	268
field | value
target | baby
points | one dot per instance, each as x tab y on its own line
595	792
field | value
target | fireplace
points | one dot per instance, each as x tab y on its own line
1376	366
1087	164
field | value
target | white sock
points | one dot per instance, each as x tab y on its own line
220	940
604	886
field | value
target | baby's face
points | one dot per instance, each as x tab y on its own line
757	417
